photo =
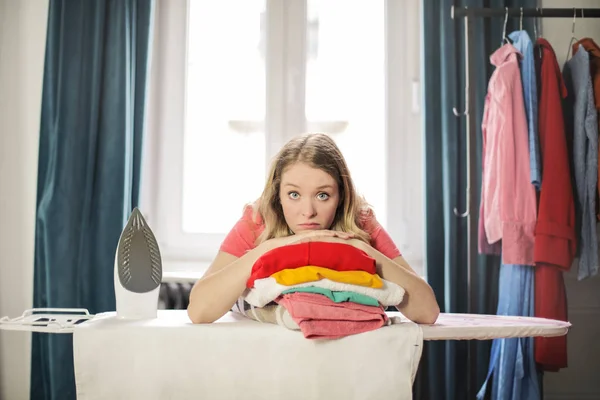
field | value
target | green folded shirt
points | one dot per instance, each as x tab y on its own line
337	296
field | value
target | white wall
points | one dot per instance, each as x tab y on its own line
580	380
22	44
558	30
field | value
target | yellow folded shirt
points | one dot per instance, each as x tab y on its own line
311	273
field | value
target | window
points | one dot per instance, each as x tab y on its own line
225	119
233	80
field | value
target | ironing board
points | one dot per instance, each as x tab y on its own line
449	326
246	356
169	357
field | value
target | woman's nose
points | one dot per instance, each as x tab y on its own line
308	210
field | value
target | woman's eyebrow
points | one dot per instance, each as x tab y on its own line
296	186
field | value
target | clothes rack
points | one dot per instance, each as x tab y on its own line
469	14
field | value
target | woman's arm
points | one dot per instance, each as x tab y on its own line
225	280
419	303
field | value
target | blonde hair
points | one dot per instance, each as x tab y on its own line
319	151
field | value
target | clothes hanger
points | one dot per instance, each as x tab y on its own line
535	22
573	38
536	36
505	39
521	20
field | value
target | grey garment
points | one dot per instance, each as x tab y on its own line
585	158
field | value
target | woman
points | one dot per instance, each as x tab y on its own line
308	196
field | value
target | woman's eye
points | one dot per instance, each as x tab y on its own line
322	196
293	195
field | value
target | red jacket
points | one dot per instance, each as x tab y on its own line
555	244
555	241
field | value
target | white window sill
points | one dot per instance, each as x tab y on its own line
183	271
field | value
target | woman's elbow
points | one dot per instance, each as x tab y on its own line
425	313
431	309
430	316
423	317
198	315
430	312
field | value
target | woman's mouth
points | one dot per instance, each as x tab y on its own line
310	225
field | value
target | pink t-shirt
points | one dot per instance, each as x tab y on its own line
243	235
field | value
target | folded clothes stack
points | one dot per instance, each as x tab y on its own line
326	290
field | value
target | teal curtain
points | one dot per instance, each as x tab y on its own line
93	103
443	374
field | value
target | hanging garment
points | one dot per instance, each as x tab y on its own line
508	197
594	52
512	362
555	242
585	157
522	43
550	302
483	244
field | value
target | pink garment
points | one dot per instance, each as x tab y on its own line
484	246
508	197
321	318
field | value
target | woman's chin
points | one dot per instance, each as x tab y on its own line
304	228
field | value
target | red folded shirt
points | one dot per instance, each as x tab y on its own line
336	256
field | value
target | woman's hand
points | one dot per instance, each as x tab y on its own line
322	235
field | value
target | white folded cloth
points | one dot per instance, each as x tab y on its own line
266	290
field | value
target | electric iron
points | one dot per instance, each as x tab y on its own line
137	279
138	270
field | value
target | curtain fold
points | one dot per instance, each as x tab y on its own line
443	374
93	104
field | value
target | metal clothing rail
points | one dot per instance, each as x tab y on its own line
469	14
527	12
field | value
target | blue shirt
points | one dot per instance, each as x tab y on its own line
512	360
522	43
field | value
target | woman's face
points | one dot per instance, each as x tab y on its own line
309	197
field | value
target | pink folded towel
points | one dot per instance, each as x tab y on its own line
321	318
